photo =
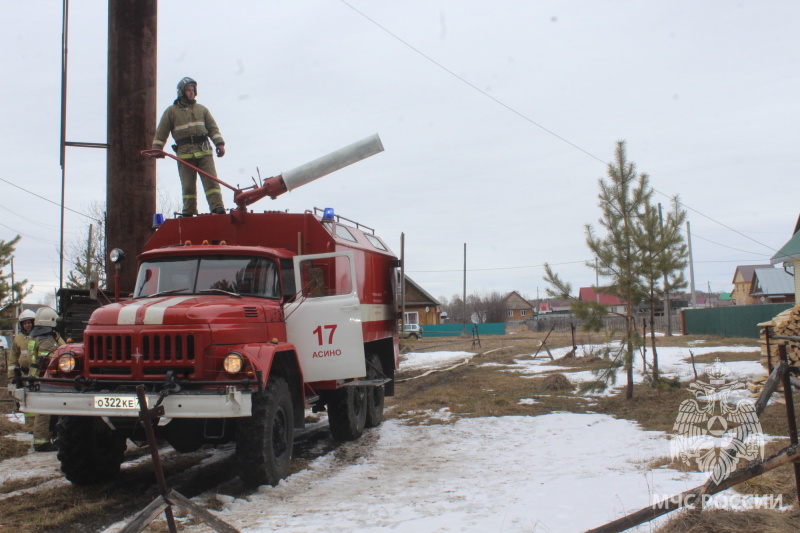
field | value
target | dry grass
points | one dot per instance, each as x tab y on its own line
716	521
725	357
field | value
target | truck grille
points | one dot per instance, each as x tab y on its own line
162	347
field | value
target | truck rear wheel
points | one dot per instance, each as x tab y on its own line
347	412
375	395
89	451
264	440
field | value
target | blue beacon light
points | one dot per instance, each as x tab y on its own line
158	219
327	214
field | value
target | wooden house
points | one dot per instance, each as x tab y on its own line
789	256
421	308
518	308
742	284
772	285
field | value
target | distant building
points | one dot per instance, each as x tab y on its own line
612	303
421	307
518	308
742	284
772	285
789	256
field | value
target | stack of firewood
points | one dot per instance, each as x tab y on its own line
785	324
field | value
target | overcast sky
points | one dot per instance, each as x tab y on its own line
497	118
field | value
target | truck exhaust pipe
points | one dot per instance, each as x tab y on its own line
304	174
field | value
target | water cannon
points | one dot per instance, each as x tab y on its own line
297	177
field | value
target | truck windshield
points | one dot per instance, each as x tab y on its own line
238	276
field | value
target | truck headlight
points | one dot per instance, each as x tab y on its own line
66	363
233	363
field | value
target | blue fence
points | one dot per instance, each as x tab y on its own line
454	330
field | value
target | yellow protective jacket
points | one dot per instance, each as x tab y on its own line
185	118
19	355
42	347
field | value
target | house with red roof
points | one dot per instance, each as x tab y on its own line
614	304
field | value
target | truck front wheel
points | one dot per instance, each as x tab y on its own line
347	412
264	440
89	451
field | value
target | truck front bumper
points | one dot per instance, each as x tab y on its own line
231	403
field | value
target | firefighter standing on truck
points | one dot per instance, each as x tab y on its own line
43	341
20	355
193	129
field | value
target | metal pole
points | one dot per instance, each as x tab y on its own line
62	147
403	281
464	300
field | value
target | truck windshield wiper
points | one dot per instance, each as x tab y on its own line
222	291
164	293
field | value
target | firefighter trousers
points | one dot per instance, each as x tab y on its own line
189	184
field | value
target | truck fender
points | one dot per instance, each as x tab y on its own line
281	359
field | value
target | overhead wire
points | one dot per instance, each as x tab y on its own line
530	120
48	200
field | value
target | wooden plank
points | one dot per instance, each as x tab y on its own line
189	506
145	516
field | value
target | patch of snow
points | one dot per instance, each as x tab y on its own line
510	474
432	360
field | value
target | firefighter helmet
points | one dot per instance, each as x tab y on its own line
183	83
27	314
46	317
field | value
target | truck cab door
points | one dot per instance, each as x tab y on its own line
324	320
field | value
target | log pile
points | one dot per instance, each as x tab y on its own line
785	324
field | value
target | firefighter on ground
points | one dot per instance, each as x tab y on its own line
20	356
43	341
194	130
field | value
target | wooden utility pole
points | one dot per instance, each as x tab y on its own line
131	180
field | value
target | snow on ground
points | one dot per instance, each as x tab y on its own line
432	360
561	472
553	473
672	361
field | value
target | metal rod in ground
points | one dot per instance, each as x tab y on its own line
694	496
146	417
790	416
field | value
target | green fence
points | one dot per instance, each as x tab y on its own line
733	321
454	330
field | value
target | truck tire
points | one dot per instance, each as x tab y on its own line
264	440
375	395
89	451
347	412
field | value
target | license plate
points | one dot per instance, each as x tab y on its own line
116	402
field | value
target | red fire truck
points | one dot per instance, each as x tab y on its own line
237	324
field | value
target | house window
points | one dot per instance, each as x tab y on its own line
510	313
522	312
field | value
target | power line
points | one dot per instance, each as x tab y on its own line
530	120
48	200
725	246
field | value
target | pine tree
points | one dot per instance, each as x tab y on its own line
664	258
11	291
624	197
